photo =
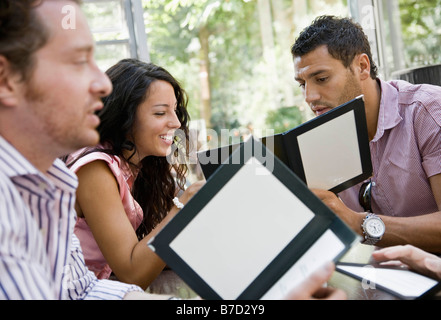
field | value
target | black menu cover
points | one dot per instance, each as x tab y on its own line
329	152
253	231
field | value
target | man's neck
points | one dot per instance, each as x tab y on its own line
372	98
31	150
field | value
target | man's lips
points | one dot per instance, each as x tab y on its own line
97	106
319	110
93	114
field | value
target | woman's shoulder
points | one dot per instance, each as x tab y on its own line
86	156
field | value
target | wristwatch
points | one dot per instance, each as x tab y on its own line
373	229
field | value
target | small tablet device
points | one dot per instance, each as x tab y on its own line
400	282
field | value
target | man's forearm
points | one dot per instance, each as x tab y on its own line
421	231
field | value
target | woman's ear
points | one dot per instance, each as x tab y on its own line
8	81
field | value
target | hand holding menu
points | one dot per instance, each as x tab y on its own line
329	152
254	231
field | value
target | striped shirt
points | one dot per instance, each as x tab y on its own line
40	257
405	152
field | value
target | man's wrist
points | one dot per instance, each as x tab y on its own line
373	229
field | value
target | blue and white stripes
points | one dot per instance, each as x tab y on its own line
40	257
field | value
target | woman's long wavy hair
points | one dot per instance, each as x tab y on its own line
156	184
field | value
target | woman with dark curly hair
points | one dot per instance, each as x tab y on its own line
129	184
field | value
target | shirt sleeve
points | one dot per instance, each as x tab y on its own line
82	284
428	133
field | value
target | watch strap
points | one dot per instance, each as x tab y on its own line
368	240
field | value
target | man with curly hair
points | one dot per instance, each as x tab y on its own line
333	64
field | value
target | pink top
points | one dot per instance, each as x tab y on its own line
94	259
405	152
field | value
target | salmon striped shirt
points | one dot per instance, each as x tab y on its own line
405	152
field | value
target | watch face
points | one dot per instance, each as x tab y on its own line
375	227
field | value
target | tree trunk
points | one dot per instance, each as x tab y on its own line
204	77
269	55
284	41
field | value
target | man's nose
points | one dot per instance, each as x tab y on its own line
101	84
311	94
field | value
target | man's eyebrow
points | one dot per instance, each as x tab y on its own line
312	75
77	50
85	48
79	47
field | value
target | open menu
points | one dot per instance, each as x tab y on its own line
329	152
403	283
254	231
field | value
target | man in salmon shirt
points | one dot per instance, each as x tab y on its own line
401	202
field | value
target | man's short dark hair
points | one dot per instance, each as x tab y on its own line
344	38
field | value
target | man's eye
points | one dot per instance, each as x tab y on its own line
81	62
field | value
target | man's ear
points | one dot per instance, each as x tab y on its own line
364	66
8	81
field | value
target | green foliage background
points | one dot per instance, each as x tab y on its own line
247	57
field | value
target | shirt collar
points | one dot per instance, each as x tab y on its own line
14	164
388	115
